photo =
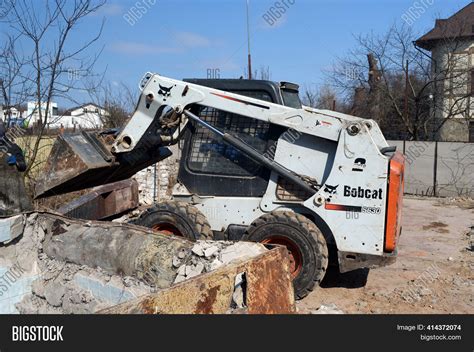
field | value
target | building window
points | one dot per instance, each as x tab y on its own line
471	131
472	82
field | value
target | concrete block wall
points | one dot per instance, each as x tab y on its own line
456	169
444	169
155	182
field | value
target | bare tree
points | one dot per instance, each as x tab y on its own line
14	87
324	97
117	99
4	8
53	63
263	73
392	81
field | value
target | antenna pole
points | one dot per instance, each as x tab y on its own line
248	41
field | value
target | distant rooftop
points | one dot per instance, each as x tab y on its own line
459	25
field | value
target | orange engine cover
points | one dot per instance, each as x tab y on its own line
395	200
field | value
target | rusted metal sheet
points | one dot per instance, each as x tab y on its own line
104	202
270	286
269	290
11	228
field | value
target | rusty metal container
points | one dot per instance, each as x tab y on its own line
269	290
104	202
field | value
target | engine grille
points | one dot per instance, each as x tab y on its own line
288	191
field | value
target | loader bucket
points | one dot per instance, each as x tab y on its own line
81	161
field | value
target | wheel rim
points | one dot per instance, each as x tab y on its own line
296	259
167	229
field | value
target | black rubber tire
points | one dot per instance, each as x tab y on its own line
21	165
190	222
305	235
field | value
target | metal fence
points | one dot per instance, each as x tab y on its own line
442	169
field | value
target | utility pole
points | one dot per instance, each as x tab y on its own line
248	41
407	82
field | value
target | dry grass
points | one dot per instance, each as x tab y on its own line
27	143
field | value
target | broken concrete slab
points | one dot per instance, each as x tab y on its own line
240	250
199	262
211	251
215	264
114	291
38	289
238	297
54	293
198	249
118	249
194	270
205	249
11	228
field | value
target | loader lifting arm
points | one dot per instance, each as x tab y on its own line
159	92
91	159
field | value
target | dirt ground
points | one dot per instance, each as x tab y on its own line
433	274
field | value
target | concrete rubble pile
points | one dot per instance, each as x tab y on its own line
208	256
52	264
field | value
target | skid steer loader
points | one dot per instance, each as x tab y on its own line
256	165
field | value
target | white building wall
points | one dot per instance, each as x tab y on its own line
33	113
458	56
88	117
